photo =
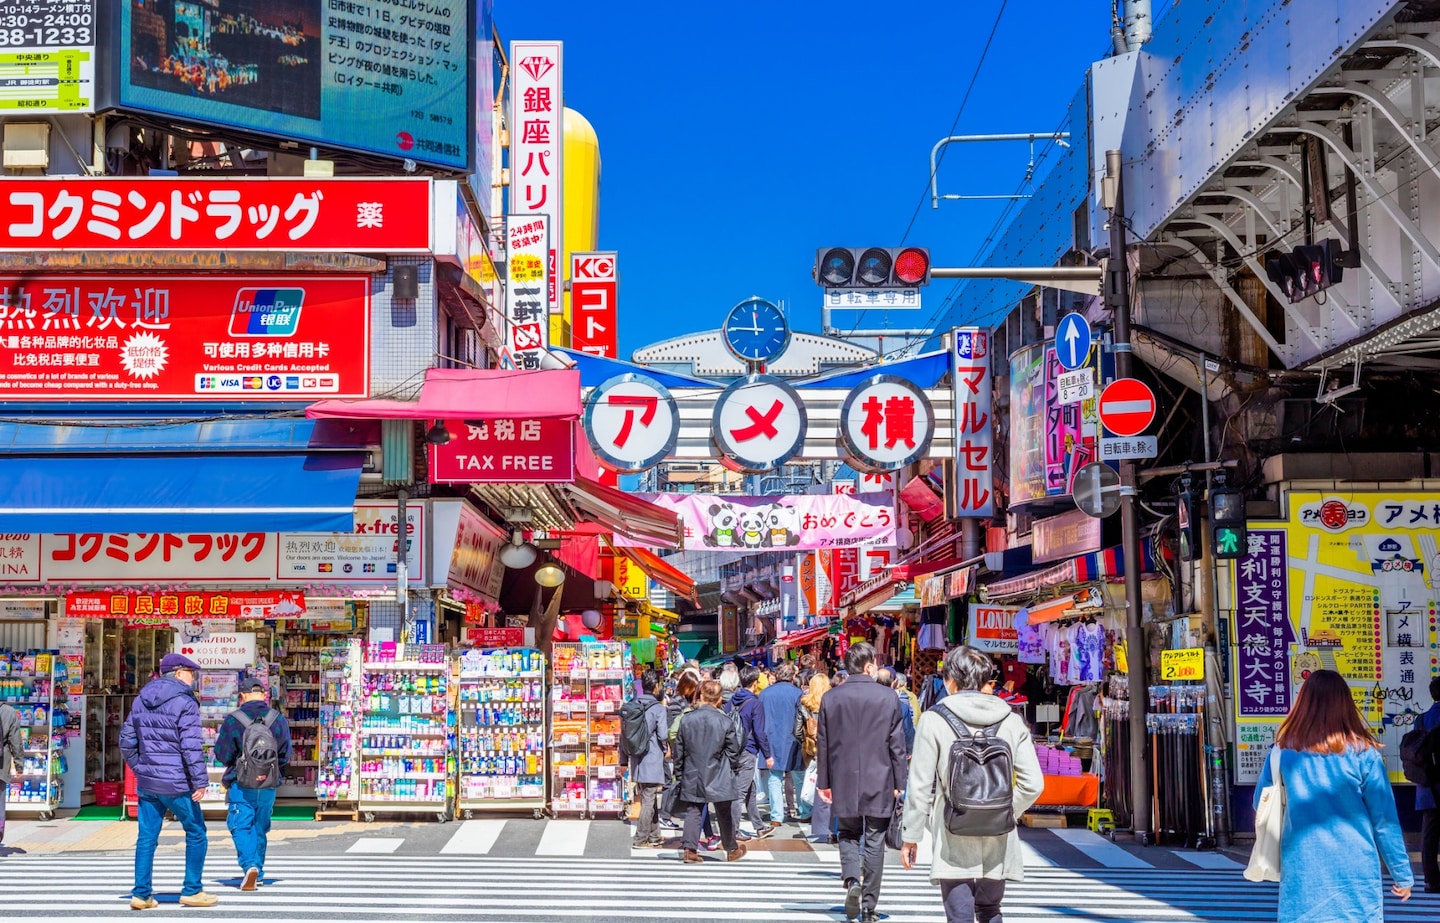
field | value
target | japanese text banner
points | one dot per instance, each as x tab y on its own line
230	213
741	523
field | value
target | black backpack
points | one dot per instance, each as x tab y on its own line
634	729
258	765
1420	756
979	789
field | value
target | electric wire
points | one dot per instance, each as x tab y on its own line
964	100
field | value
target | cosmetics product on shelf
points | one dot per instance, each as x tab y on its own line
500	699
591	682
405	733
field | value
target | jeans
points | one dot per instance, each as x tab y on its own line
649	795
1429	846
972	900
723	816
249	823
745	782
151	816
862	856
775	785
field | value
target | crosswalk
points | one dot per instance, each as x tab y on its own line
428	889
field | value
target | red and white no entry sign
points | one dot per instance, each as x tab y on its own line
1127	407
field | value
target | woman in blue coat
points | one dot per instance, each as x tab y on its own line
1340	819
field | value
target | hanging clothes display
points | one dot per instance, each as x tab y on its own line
1028	639
931	636
1087	653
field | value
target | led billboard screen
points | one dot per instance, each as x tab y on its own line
389	77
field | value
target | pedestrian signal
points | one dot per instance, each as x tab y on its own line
872	267
1228	537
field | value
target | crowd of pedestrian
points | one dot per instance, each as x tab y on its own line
854	757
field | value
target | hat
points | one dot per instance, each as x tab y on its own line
172	662
253	685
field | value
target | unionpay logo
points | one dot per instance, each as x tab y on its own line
266	312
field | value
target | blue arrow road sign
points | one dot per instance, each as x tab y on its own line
1072	341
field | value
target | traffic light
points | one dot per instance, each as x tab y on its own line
1185	522
872	267
1227	522
1307	270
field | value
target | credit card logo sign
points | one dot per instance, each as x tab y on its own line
266	312
254	383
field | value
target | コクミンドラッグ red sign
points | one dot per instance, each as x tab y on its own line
187	338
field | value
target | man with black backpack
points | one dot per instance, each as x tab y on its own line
976	758
643	732
254	745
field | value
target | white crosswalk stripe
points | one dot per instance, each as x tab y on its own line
427	889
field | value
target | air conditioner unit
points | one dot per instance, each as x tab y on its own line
372	471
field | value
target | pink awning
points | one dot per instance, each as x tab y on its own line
472	394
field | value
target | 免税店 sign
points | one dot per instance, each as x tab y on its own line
505	451
184	338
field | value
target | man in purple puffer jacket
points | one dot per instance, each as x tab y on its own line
162	744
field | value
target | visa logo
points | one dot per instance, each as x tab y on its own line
266	312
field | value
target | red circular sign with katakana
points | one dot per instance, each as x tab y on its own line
632	422
886	423
1127	407
759	424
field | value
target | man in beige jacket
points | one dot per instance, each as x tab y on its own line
970	870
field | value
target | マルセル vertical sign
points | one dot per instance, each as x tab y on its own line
974	440
594	286
537	144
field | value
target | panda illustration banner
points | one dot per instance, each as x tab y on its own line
804	522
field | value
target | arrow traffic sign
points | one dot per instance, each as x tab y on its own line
1127	407
1072	341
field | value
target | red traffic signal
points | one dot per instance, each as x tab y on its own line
872	267
1307	270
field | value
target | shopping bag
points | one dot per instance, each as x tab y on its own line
1269	824
807	788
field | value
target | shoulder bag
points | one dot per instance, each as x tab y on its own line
1269	824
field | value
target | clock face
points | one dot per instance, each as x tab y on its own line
756	331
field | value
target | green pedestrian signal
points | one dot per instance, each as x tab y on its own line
1227	522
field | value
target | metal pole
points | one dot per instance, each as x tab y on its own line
1062	137
1136	649
402	568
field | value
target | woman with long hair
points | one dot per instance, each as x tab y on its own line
805	730
1340	819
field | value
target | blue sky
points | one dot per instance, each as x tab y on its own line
738	137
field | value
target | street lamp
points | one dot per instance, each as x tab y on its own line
550	575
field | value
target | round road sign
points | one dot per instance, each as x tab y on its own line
1072	341
1127	407
1097	490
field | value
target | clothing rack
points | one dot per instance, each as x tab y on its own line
1181	808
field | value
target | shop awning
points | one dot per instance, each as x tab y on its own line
129	476
1098	565
180	493
564	507
667	575
472	394
803	637
619	512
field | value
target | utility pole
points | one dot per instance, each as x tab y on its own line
1136	649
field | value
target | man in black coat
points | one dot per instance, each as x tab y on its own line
707	749
861	770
